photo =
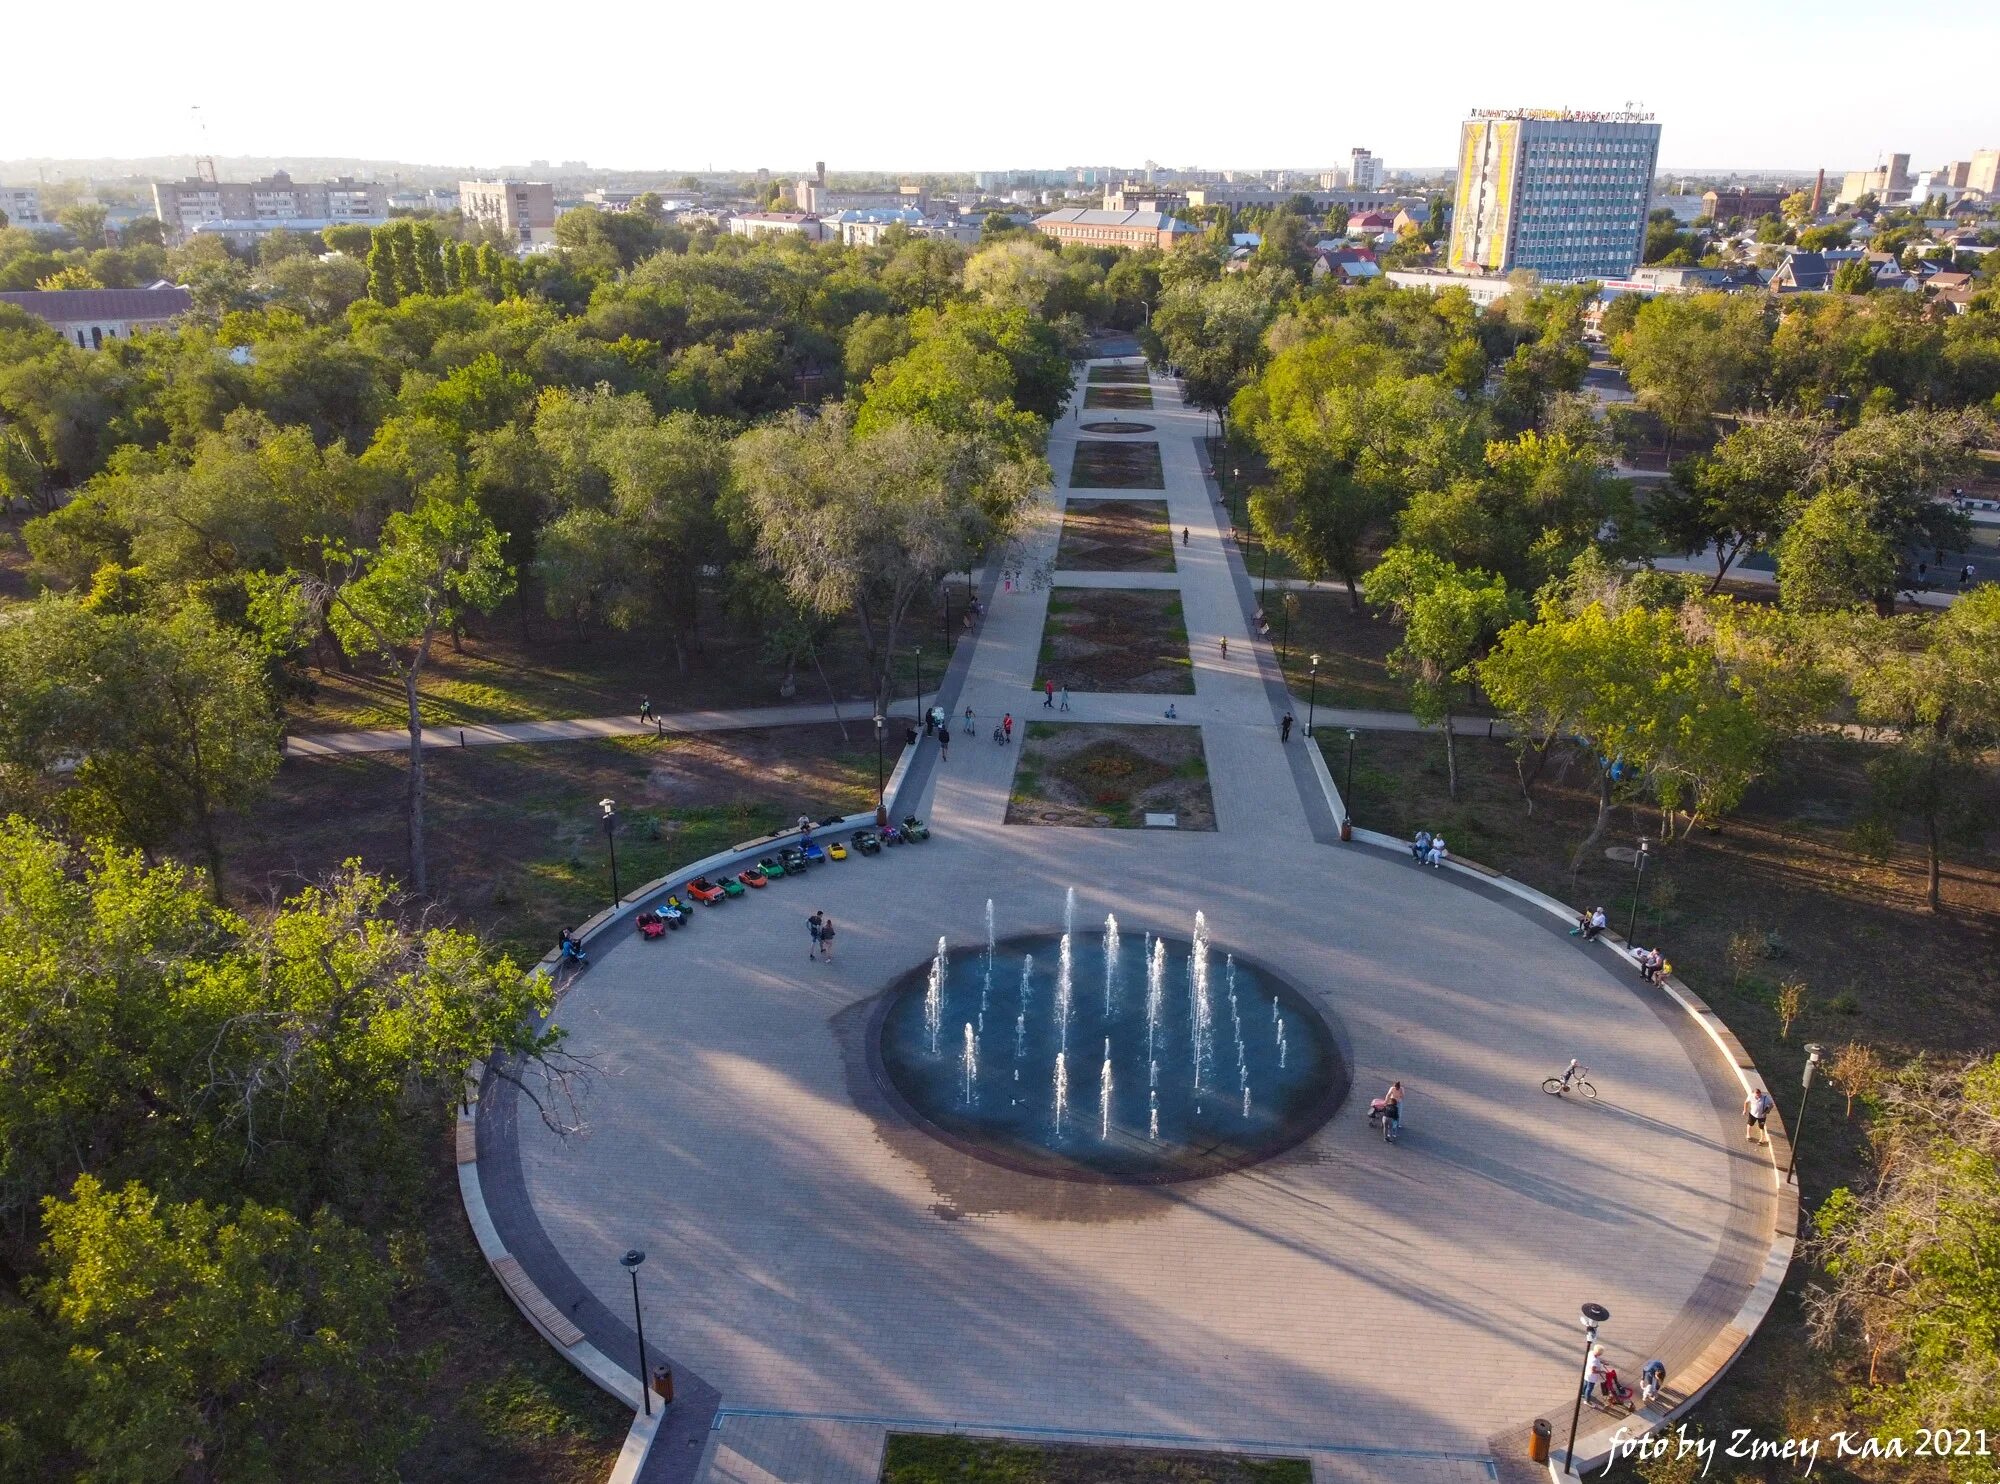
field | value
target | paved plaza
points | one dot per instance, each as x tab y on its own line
820	1272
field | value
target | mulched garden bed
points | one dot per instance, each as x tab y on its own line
1116	536
1116	639
1138	398
1110	777
1116	466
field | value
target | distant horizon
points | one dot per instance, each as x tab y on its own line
25	170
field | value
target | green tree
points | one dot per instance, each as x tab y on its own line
1905	1266
1691	357
348	238
84	223
1450	617
1855	277
865	523
382	268
1214	332
1934	683
135	726
1736	498
433	565
242	1345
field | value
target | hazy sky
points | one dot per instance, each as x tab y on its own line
899	84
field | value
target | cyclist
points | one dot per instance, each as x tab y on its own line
1571	1073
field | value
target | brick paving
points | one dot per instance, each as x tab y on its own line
1391	1310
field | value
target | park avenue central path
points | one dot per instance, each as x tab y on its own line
821	1273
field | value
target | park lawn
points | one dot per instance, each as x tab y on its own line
1125	374
516	847
1353	650
501	1406
1785	875
549	670
1116	536
1116	640
1110	776
1129	398
930	1458
1102	464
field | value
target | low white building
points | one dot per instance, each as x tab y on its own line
89	317
768	223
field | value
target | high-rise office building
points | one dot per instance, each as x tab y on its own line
1559	192
523	210
1367	173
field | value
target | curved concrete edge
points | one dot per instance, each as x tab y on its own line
1594	1448
586	1357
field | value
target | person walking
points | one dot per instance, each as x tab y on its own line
944	743
645	708
1184	535
1225	646
813	926
1007	726
1756	1108
826	940
1593	1374
1285	728
1049	695
1065	700
968	721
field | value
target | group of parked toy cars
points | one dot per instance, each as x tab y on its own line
789	860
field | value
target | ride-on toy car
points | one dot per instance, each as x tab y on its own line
891	835
753	877
837	851
731	887
650	925
793	860
674	913
914	828
866	843
814	852
771	866
704	890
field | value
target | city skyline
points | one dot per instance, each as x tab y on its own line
1045	93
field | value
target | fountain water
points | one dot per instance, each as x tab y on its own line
1104	1093
1065	993
1191	1124
1069	911
1201	1014
1021	1020
1110	961
1156	988
934	998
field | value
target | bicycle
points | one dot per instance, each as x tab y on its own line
1555	1087
1000	734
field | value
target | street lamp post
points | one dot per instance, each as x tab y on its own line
630	1262
1638	884
1815	1055
1312	697
611	840
918	651
1349	795
1593	1315
944	588
1285	602
1264	582
878	760
1235	486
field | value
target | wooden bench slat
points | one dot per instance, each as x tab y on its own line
536	1303
468	1141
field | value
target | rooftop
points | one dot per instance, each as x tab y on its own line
1149	221
59	306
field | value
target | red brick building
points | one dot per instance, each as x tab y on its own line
1115	228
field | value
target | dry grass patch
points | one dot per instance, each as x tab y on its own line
1116	536
1110	776
1119	396
1111	639
1100	464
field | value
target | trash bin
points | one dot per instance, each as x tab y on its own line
1346	828
1538	1441
663	1387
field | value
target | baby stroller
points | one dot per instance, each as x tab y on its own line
1613	1391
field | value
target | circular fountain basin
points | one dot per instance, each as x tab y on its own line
1117	425
1136	1073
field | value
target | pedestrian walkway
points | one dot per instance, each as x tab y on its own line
581	729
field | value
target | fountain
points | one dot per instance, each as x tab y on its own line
1110	961
1160	1114
1104	1093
